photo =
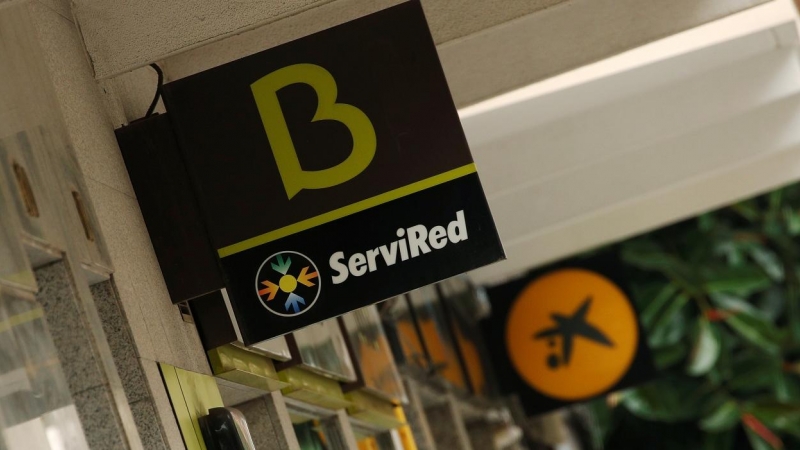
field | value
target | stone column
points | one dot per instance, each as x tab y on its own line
447	425
129	366
269	423
416	418
481	435
339	431
96	393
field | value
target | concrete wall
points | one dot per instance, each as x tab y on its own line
90	111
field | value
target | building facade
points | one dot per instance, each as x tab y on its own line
95	355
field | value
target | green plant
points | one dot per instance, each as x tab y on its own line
719	298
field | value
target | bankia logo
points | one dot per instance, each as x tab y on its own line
288	283
295	179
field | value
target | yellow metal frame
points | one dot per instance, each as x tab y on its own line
245	367
372	409
312	388
192	395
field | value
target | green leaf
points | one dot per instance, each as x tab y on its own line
781	387
768	261
723	369
669	327
670	355
646	254
706	222
734	304
719	441
747	209
755	330
602	421
643	292
792	219
753	372
779	416
742	281
650	312
756	442
733	252
772	303
705	350
696	247
669	399
775	200
724	418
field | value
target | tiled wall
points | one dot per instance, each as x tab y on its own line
123	325
269	423
36	409
61	388
134	380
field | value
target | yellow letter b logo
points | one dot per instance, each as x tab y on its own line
265	91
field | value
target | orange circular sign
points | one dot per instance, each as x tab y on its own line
571	334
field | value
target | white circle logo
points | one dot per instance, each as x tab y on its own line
288	283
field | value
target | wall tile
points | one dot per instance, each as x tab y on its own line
81	100
448	429
149	425
96	411
68	329
121	221
258	421
120	341
162	405
158	330
62	7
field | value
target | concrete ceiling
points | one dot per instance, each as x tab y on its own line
635	142
486	47
121	35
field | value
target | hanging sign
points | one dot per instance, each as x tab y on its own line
563	336
332	172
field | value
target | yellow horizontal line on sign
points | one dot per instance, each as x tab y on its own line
344	211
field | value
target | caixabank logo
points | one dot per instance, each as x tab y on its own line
288	283
567	333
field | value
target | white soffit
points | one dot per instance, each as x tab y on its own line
646	138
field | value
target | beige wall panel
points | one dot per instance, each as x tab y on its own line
121	35
487	47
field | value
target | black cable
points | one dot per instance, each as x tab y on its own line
158	90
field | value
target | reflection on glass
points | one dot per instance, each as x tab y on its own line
373	354
434	329
63	429
14	267
311	436
458	294
401	333
275	348
323	350
29	435
21	172
48	385
35	404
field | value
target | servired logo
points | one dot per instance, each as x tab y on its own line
288	283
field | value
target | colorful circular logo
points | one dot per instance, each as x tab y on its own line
288	283
572	334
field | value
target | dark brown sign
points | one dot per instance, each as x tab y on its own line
371	89
331	172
